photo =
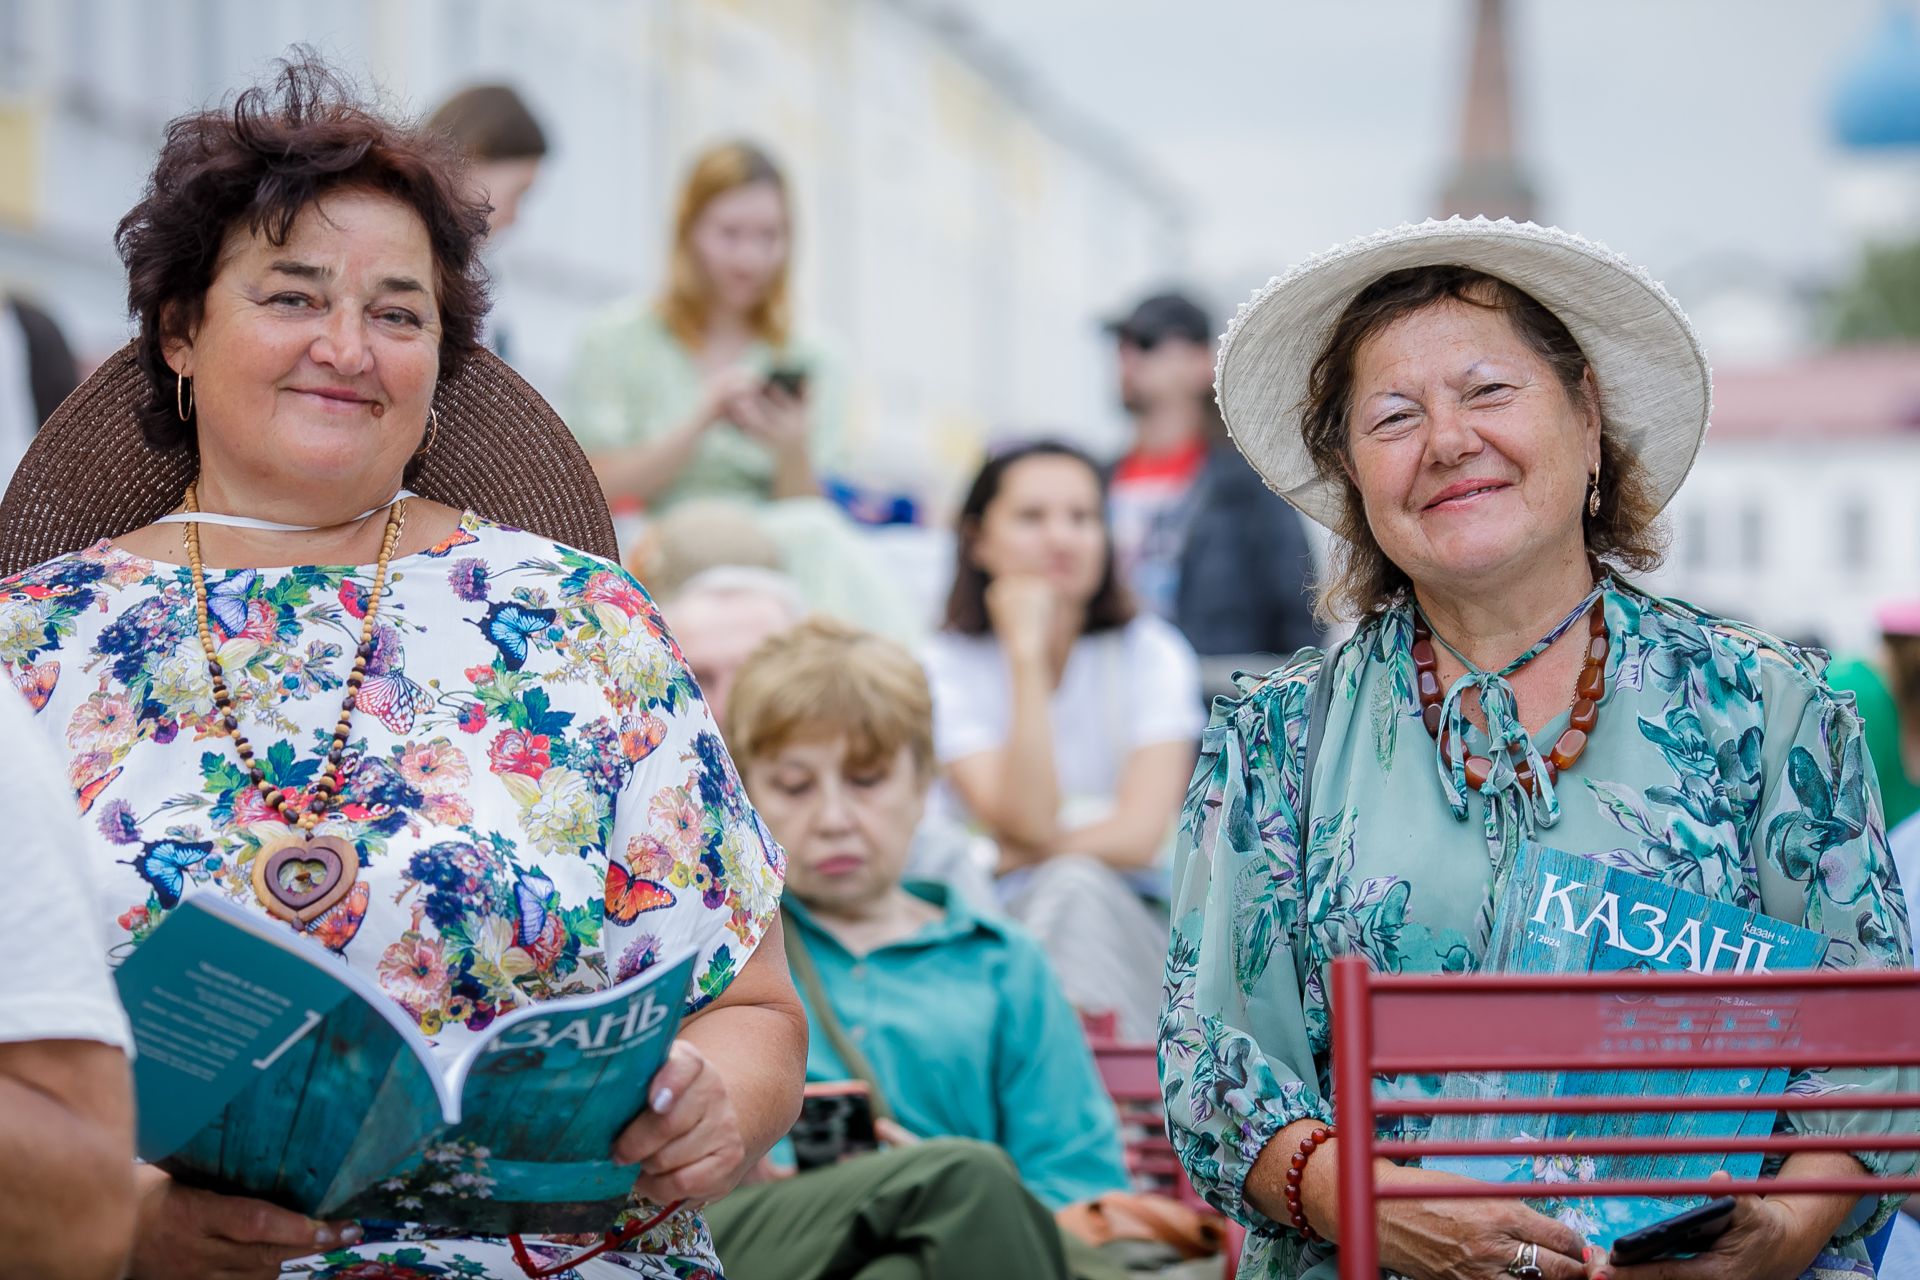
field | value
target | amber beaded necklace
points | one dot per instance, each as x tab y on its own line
1588	691
299	877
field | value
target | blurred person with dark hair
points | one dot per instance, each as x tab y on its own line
1067	724
503	143
951	1020
706	391
229	494
37	372
1197	535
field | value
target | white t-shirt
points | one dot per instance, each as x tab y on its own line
1132	687
57	986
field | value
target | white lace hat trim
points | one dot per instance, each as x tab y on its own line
1656	390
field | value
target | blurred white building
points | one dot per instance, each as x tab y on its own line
1804	510
959	236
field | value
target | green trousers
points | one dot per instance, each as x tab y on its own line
946	1209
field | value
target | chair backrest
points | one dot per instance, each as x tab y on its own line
1131	1075
1623	1021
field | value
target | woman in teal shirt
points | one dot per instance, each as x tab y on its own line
1491	416
953	1020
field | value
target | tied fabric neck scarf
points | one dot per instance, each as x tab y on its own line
1512	810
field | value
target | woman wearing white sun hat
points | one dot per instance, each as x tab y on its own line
1492	415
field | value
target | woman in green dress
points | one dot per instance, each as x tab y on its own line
1491	416
706	392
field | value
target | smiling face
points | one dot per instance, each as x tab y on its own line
314	361
1471	459
740	241
846	825
1046	521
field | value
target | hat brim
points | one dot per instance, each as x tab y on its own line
1656	390
501	451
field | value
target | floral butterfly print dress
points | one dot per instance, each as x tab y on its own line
538	794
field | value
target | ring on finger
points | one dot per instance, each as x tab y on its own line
1526	1262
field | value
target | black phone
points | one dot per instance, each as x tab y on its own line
791	378
836	1121
1691	1231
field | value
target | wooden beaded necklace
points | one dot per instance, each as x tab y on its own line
303	875
1588	691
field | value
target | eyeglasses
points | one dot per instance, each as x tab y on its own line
611	1240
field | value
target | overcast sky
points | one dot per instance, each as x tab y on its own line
1691	135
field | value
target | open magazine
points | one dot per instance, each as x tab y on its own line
266	1067
1562	913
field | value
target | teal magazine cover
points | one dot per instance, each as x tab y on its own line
1562	913
266	1067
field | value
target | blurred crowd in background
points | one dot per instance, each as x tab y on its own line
886	315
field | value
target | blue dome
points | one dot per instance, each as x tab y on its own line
1878	103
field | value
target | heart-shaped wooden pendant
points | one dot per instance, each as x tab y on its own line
304	876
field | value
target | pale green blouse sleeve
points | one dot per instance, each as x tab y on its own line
613	398
1826	864
828	444
1238	1060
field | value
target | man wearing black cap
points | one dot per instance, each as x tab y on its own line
1198	537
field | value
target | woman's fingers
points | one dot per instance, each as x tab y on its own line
699	1183
674	1105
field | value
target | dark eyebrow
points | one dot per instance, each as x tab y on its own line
301	270
309	271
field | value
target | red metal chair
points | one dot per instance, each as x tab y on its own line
1131	1074
1384	1024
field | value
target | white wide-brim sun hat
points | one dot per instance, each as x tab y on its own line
1655	387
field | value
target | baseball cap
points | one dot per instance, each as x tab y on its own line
1163	316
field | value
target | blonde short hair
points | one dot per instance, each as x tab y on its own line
824	678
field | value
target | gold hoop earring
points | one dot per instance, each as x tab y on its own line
433	433
1593	497
182	397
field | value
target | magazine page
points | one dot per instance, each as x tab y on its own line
1564	913
264	1065
542	1098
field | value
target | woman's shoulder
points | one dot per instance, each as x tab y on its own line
1282	694
626	323
1700	635
1149	633
531	554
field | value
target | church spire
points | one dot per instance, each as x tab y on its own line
1486	177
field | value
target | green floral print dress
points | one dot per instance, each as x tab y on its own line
1720	763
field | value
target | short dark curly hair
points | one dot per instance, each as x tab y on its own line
258	163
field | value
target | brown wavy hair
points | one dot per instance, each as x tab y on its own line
1626	534
716	171
1112	605
256	165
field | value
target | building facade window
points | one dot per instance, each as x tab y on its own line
1856	536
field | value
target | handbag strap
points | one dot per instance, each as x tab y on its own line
800	960
1317	712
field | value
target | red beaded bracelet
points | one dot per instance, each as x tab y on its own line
1295	1168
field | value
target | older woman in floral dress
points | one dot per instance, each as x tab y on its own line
1492	416
494	725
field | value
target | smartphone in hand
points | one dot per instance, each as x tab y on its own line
1691	1231
791	379
836	1121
